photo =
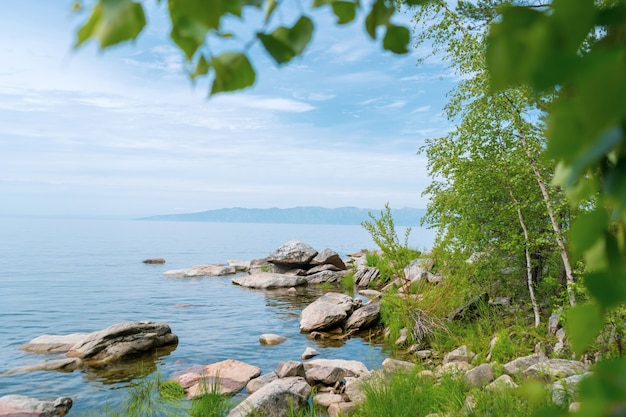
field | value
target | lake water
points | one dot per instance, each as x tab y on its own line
62	276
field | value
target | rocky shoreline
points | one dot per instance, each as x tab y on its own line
335	383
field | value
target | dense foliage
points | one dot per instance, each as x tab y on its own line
491	193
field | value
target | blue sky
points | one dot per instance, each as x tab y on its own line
125	133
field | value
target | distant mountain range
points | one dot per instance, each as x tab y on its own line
295	215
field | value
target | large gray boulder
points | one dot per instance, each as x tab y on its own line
325	375
479	376
521	364
293	253
326	312
364	317
122	341
275	399
22	406
321	316
287	369
328	257
48	343
268	280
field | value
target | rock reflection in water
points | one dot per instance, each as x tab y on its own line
127	371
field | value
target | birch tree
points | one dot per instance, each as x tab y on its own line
482	119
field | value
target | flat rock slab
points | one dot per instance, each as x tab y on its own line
226	377
198	271
22	406
351	368
50	343
122	341
268	280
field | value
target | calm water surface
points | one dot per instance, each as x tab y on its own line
67	276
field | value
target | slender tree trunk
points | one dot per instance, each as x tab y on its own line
529	269
558	234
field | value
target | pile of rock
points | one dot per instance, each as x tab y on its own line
561	375
288	387
294	258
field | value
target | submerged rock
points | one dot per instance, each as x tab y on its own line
156	261
269	339
61	365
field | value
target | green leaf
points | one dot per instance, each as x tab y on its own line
397	39
233	71
320	3
609	289
192	20
202	67
112	22
603	392
583	323
507	46
281	52
284	43
270	6
345	11
586	229
379	15
573	20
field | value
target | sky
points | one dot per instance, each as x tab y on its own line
125	133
